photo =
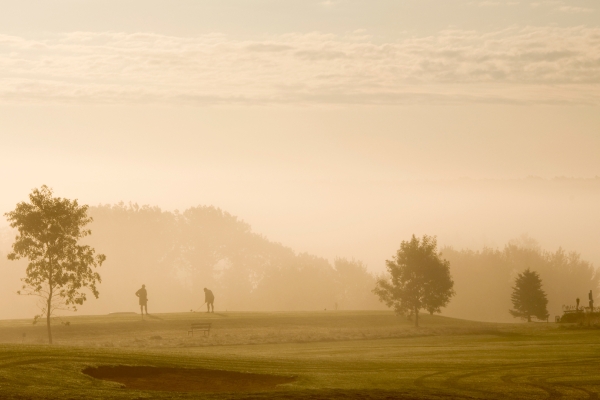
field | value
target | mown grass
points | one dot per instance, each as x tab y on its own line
332	355
170	330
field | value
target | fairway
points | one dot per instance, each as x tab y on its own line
299	355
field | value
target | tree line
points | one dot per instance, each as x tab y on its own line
485	278
176	254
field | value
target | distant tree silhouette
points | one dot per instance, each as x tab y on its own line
59	268
141	241
486	276
354	285
179	253
528	298
418	278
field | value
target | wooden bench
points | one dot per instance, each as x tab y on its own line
200	326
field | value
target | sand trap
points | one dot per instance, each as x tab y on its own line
186	380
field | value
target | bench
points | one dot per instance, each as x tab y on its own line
199	326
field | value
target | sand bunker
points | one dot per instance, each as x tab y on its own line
186	380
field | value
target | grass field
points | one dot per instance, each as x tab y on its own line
312	355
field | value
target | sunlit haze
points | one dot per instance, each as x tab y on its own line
338	128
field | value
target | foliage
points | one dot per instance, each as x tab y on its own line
141	241
354	285
178	254
59	268
418	278
486	276
528	298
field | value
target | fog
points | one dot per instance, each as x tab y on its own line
279	153
331	250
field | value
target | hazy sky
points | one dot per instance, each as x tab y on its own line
290	113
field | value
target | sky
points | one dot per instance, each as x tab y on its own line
337	127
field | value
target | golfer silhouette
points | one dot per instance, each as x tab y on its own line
209	299
142	294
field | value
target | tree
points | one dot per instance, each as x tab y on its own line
418	278
354	285
528	298
566	276
49	229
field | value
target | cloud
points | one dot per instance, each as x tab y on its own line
561	6
574	10
320	54
528	65
268	47
489	3
330	3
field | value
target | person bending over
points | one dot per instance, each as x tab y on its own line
209	298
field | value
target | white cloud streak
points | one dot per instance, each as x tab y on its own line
488	3
575	10
516	65
561	6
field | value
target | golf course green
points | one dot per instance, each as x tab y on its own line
317	355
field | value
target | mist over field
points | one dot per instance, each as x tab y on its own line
324	199
489	230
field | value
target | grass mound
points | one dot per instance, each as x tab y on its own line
186	379
130	331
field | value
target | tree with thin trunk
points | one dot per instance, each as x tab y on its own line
59	268
528	298
418	278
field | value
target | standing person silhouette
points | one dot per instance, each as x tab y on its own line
143	296
209	299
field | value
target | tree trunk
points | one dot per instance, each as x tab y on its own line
49	302
416	317
48	308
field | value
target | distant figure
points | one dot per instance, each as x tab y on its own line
591	297
143	296
209	299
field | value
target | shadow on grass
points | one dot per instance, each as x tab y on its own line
186	379
369	394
